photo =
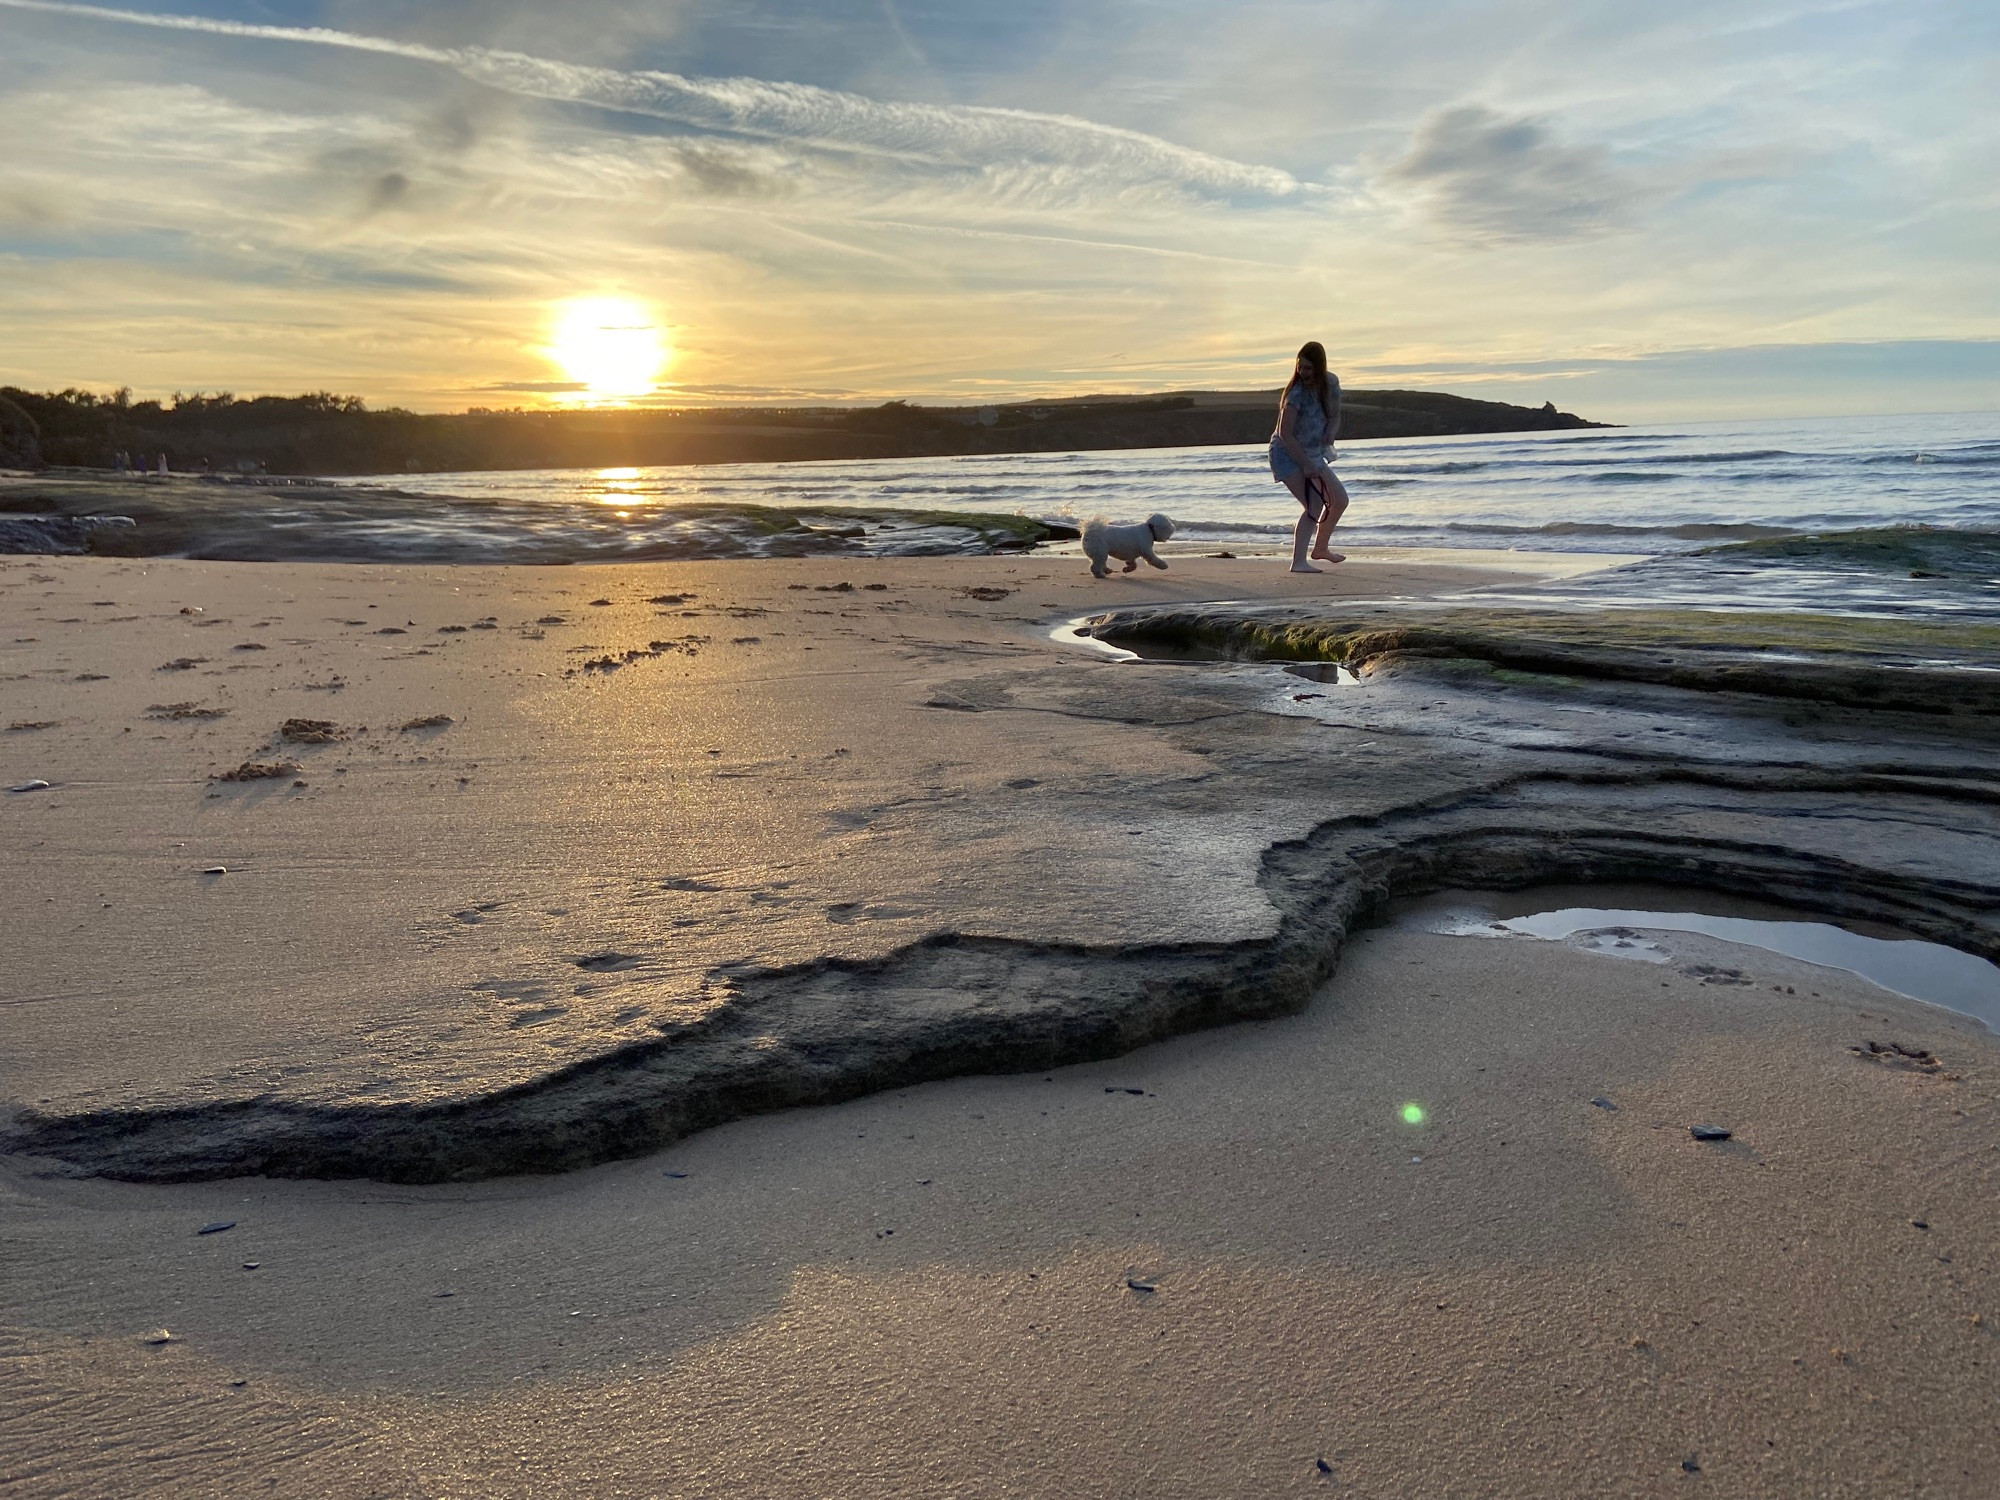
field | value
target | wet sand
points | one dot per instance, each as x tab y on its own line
945	1287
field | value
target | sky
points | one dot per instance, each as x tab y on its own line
1712	209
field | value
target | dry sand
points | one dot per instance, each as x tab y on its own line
928	1290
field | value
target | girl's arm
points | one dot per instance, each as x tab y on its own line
1288	431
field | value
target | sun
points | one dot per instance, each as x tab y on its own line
611	346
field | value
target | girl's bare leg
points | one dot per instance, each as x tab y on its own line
1336	507
1301	533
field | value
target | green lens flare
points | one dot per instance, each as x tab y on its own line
1413	1114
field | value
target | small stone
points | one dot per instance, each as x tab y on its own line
216	870
1919	1224
260	770
311	731
1689	1466
217	1226
161	1337
1603	1103
1140	1284
252	1265
673	1174
1709	1132
1320	1464
37	785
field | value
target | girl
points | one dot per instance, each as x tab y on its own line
1308	419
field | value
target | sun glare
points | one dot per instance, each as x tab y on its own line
610	346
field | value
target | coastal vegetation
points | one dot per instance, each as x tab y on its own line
323	433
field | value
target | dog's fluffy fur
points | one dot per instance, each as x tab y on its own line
1103	541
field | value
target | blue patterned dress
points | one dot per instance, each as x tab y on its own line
1311	425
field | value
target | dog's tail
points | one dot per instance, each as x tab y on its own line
1094	541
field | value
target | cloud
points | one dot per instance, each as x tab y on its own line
1501	180
950	136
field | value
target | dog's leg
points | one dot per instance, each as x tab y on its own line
1131	564
1148	555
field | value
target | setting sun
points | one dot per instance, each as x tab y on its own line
610	345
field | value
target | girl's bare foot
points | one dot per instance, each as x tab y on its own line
1325	556
1299	567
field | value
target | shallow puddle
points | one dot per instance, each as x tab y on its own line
1077	633
1900	964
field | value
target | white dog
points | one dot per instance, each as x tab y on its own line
1102	540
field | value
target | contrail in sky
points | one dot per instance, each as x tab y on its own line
952	135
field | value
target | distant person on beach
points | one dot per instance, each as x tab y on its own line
1301	448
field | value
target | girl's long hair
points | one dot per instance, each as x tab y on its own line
1314	352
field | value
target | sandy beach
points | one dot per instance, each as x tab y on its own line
789	1027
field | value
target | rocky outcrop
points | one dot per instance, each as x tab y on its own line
829	1030
1844	662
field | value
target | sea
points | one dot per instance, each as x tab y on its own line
1869	515
1876	515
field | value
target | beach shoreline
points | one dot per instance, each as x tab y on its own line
737	768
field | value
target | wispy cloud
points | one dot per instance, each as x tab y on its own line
1496	178
800	114
390	206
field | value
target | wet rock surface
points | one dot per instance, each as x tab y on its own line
1925	857
1200	844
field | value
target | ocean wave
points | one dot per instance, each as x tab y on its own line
1225	529
1622	437
1974	456
1687	531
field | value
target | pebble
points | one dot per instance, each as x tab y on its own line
217	1227
1139	1285
1603	1103
216	870
1319	1463
1709	1132
673	1174
162	1337
251	1265
37	785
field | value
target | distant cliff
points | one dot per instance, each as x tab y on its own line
327	434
